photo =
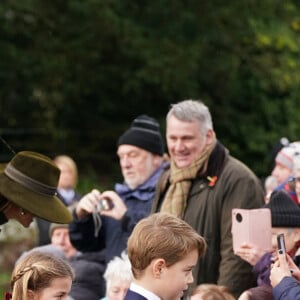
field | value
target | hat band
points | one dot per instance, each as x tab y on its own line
28	182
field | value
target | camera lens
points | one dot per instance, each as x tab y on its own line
239	217
102	205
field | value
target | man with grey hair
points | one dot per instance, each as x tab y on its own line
202	186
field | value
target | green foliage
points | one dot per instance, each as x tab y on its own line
4	282
73	74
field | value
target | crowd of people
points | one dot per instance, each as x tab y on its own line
165	231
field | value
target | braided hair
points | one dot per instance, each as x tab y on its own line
35	272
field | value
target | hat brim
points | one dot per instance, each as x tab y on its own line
45	207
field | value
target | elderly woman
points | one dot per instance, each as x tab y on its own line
118	276
28	189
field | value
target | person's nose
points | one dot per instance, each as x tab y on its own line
62	239
122	295
275	172
125	162
179	145
190	278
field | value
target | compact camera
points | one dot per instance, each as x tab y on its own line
103	204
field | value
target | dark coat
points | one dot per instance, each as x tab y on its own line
113	234
43	225
263	268
130	295
209	210
287	289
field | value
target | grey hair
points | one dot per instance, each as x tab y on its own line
119	268
191	110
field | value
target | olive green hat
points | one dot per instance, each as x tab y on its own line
30	180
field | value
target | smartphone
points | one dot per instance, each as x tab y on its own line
281	243
252	226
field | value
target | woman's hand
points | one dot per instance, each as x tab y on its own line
283	266
250	253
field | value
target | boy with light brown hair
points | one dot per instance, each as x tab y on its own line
163	251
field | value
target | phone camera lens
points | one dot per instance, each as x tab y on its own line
239	217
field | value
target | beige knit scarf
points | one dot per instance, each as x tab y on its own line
180	183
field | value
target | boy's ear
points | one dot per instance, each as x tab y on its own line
158	265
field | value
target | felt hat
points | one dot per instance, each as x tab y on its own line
30	180
284	211
144	133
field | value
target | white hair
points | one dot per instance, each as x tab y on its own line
119	268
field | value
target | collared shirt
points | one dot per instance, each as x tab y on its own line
142	291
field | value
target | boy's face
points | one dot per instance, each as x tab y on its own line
291	237
176	278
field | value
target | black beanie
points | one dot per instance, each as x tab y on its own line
284	211
144	133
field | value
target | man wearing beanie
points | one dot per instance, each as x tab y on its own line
140	150
285	216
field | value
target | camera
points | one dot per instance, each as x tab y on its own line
103	204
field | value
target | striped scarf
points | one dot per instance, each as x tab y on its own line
180	183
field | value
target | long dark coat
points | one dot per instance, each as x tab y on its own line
209	211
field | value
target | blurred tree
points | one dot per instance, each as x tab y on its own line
73	74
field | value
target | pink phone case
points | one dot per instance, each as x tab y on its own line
252	226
